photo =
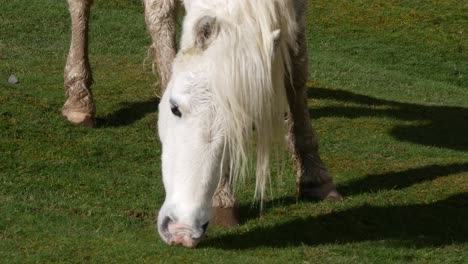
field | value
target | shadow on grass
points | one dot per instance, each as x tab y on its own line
369	184
249	211
129	113
444	126
401	179
421	225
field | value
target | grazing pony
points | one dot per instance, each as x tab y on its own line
241	66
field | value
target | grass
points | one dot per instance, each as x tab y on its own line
389	100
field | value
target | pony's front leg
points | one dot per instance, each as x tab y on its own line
79	106
224	210
161	22
312	178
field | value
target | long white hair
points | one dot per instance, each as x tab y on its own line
256	39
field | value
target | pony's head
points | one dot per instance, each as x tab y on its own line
227	84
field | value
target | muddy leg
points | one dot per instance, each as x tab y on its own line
313	180
161	22
224	210
79	106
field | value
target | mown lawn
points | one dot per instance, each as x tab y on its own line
389	98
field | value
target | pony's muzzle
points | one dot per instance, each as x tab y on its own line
174	233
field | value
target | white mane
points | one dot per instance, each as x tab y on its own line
248	78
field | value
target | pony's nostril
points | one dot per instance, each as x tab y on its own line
166	221
165	225
205	227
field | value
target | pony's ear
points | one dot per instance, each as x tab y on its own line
206	30
276	38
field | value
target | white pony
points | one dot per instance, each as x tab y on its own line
227	78
241	66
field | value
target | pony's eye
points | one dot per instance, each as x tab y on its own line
175	110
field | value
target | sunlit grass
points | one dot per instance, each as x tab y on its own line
388	90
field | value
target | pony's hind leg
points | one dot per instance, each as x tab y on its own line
79	106
312	178
224	210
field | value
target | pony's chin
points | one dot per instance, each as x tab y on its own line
173	233
182	235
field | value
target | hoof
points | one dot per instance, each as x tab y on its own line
81	119
326	192
333	195
225	217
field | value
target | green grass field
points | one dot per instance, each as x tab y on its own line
389	99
